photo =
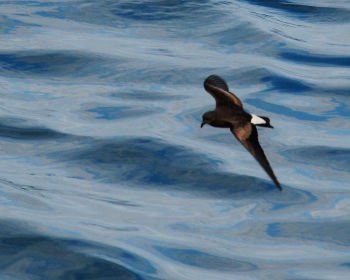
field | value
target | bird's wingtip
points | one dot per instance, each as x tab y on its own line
216	81
279	186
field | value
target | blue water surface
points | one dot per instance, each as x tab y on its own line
106	174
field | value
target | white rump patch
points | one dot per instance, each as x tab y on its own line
257	120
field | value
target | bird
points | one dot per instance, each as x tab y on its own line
229	113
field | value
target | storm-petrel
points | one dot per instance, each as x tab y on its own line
229	113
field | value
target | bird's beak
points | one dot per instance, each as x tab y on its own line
203	123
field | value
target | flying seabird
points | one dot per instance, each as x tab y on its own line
229	113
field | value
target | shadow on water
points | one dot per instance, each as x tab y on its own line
57	258
152	162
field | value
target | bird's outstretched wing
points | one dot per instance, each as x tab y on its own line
248	136
218	88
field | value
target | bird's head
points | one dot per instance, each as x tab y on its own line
208	118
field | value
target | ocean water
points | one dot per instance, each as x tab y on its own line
105	172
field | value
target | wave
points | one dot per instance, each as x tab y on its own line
56	64
314	59
307	12
160	165
64	258
18	130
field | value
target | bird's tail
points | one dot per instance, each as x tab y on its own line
267	122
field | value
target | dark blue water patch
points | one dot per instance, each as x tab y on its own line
285	84
285	111
151	10
154	163
314	59
306	12
335	158
26	254
68	64
49	258
330	232
205	260
19	132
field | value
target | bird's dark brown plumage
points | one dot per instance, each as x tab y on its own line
229	113
218	88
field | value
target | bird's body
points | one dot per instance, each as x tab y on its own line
229	113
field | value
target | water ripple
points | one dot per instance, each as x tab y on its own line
105	172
